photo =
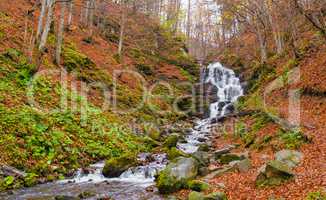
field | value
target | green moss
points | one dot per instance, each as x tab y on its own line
52	39
198	186
227	158
114	167
318	195
2	34
174	153
292	139
196	196
168	184
275	173
74	60
145	69
171	141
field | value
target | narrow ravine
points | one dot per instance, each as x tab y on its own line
133	184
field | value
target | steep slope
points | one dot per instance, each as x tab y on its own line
298	94
52	122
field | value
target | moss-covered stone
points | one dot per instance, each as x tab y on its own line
203	147
176	175
198	186
227	158
273	173
154	134
195	196
171	141
114	167
216	196
174	153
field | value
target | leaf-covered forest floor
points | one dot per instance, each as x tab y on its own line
262	138
52	145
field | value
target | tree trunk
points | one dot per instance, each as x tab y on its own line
40	20
122	29
47	27
70	16
60	33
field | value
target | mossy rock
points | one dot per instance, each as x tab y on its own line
114	167
216	196
171	141
198	186
204	147
74	60
174	153
195	196
154	134
176	175
273	173
227	158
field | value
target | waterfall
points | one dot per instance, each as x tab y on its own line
228	91
228	87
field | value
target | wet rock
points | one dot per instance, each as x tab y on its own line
273	173
241	165
216	196
116	166
171	141
176	175
290	157
198	186
195	196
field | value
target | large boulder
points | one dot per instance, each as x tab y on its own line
176	175
273	173
290	157
241	165
114	167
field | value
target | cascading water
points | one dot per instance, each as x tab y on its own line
228	91
131	184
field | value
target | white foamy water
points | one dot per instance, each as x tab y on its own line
144	175
228	91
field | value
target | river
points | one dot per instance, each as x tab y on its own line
138	183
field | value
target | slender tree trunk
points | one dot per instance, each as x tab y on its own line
40	20
60	32
47	27
70	16
188	20
122	29
262	44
